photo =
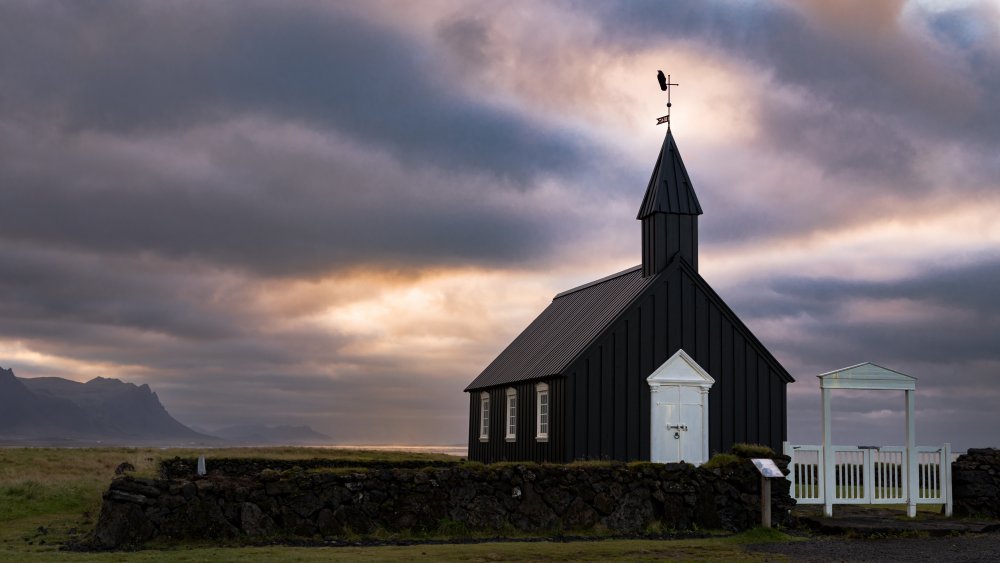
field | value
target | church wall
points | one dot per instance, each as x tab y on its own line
526	446
607	385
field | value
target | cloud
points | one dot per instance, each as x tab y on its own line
254	194
333	214
188	64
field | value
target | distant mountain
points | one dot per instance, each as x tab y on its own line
53	410
260	434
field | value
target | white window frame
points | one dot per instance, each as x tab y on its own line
484	417
510	412
542	410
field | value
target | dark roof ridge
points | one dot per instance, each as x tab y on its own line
596	282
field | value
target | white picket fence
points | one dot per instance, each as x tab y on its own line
870	475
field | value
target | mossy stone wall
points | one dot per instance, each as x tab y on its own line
331	503
975	477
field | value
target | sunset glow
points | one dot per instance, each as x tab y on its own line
319	214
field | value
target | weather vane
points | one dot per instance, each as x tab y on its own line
665	85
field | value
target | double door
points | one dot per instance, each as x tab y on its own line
678	425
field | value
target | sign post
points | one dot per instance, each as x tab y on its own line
768	470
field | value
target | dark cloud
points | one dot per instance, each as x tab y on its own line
948	339
124	129
871	103
887	70
61	287
165	165
131	67
255	204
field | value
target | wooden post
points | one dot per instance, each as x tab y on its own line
829	479
912	478
946	479
765	501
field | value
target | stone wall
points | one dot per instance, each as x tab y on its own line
975	477
331	503
184	468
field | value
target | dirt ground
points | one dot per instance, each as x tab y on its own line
969	547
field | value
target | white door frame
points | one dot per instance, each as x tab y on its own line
680	370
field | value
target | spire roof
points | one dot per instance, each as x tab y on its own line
670	189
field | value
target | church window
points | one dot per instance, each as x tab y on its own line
542	414
511	414
484	416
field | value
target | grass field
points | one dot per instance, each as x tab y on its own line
51	495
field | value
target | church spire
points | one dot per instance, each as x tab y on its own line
669	189
669	212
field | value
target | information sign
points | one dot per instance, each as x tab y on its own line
767	468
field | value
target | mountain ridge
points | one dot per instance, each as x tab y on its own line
105	410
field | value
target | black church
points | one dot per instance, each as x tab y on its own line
646	364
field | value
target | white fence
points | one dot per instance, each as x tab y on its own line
870	475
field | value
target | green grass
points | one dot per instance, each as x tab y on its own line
722	460
752	450
50	495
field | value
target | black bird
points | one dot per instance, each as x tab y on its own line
662	79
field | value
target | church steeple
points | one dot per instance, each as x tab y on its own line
669	212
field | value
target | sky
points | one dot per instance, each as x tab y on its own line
337	214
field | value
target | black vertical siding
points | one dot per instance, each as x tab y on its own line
606	410
739	389
728	387
633	384
645	338
751	381
620	422
601	409
746	404
665	235
525	446
714	368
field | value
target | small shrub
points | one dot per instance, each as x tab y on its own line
638	465
752	450
722	460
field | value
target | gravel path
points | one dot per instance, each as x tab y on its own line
977	547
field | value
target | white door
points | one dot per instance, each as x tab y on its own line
677	421
678	393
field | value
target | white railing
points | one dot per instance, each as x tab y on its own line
934	475
806	473
870	475
889	475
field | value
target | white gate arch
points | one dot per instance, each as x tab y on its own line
831	474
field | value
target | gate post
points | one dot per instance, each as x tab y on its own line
829	480
945	473
868	475
912	479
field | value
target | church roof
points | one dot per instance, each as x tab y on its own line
669	189
564	329
578	317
